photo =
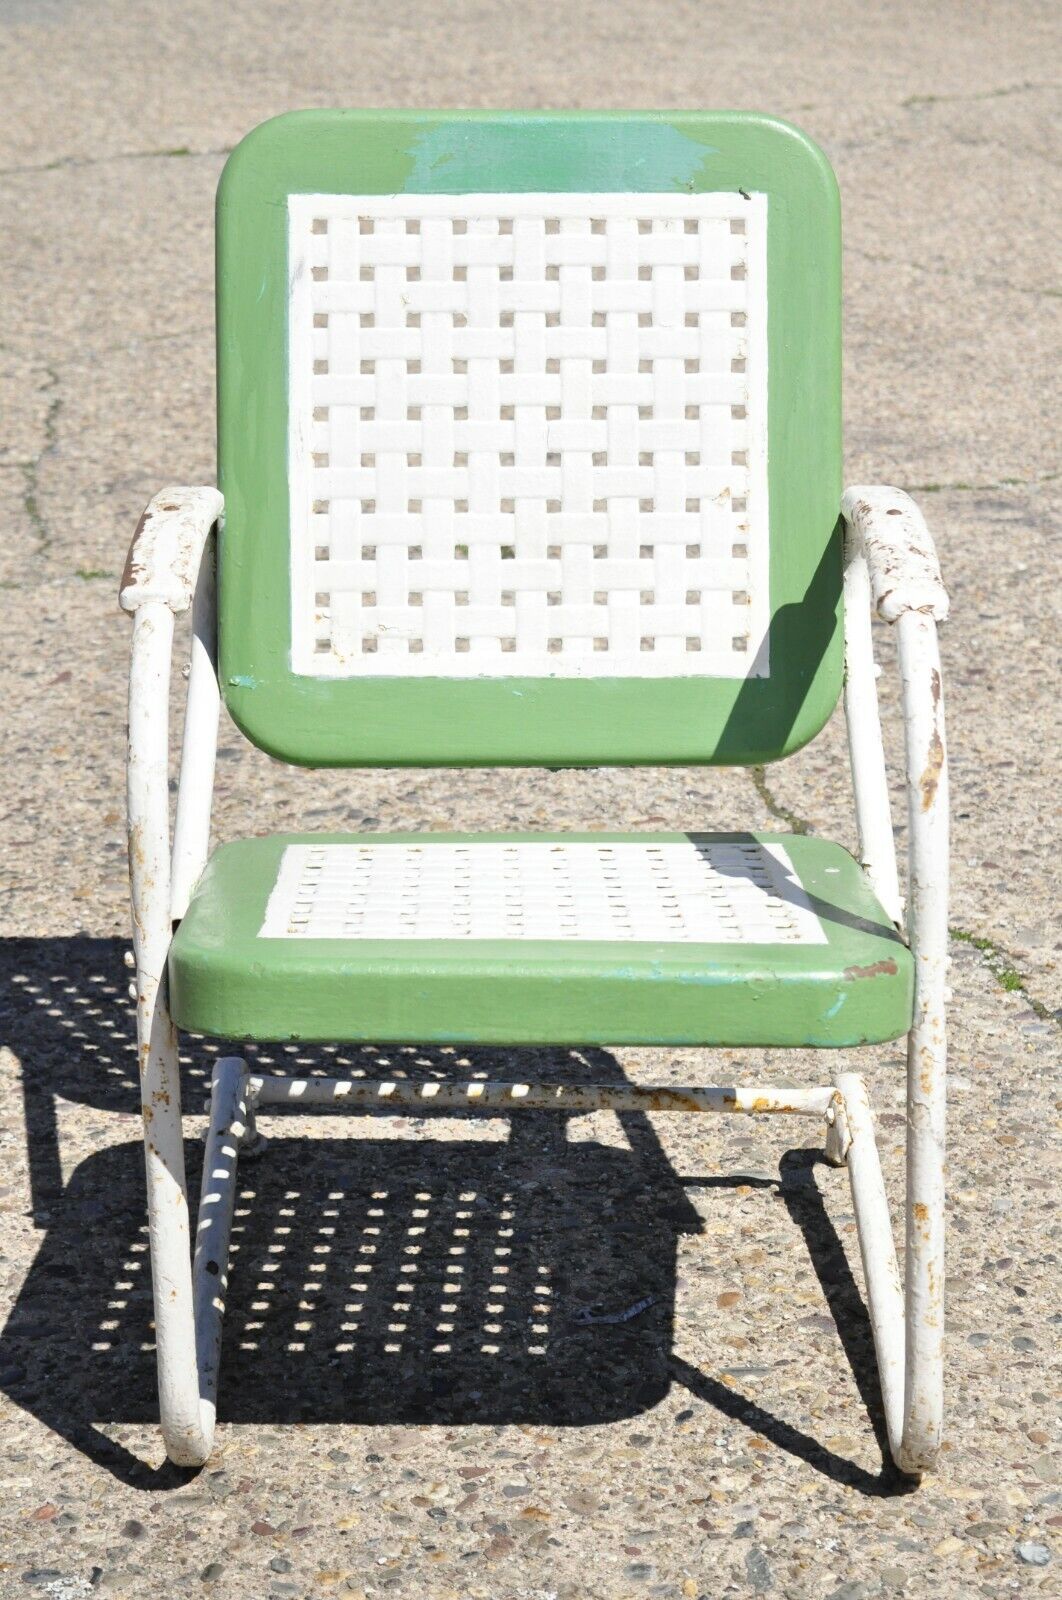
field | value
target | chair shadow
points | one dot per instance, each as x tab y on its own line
417	1279
788	888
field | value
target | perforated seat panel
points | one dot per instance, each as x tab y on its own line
672	938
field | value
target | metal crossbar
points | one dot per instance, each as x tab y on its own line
361	1094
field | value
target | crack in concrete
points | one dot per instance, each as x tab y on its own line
31	470
995	957
179	152
979	488
63	579
792	821
80	357
977	94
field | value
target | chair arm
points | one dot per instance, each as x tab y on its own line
886	534
169	569
167	549
904	570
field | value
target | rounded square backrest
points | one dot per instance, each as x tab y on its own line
529	438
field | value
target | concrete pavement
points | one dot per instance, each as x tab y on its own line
724	1443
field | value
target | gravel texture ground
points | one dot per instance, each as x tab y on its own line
725	1440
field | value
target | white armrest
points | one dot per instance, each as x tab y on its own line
904	570
167	548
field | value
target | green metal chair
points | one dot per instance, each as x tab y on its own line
530	450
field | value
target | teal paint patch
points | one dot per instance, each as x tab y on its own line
453	157
835	1008
243	680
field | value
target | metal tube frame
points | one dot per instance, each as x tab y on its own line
908	1332
190	1295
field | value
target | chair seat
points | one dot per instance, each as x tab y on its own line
726	939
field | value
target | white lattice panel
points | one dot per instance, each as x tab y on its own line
712	893
528	435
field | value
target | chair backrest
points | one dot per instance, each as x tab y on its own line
529	435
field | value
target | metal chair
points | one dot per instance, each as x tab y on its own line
530	453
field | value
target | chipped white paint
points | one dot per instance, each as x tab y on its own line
167	549
886	533
877	847
165	568
904	570
187	1439
658	892
927	915
229	1116
396	1095
166	565
878	1250
528	435
195	789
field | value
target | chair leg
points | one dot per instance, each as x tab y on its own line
187	1434
907	1319
231	1121
877	1247
924	1266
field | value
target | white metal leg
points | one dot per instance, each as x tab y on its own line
160	1089
927	812
890	557
878	1250
210	1270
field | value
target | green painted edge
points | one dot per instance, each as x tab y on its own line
855	989
530	721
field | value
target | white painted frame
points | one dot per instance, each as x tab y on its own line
889	554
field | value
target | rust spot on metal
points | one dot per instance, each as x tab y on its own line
135	837
929	782
878	969
129	571
927	1071
934	686
921	1211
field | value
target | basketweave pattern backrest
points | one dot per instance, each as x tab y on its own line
528	435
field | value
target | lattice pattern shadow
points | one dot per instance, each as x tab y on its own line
386	1281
